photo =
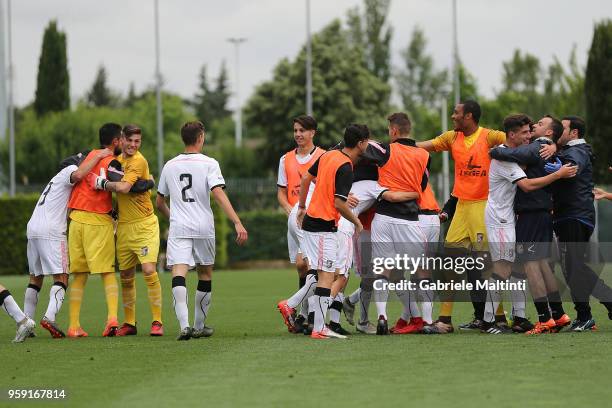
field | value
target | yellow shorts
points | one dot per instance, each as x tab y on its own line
91	248
467	229
137	242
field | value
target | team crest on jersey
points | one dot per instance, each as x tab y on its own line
479	237
144	251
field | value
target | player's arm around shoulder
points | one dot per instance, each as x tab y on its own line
87	165
221	198
441	143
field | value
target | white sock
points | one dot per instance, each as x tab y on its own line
365	298
304	292
354	297
519	298
12	309
304	308
321	306
381	297
179	295
427	297
202	303
411	308
494	298
334	314
30	301
56	299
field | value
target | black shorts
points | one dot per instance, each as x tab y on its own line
534	235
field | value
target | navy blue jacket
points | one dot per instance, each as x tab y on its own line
528	155
573	197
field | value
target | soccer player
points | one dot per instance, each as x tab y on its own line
429	222
47	242
188	180
574	221
291	167
469	145
25	325
334	174
534	227
395	228
137	234
91	239
504	177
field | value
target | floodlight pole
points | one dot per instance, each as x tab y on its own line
11	115
158	85
308	62
238	128
445	158
456	56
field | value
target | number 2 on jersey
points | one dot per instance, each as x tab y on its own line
188	177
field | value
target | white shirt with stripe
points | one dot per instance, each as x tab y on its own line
188	179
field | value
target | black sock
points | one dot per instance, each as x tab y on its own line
337	305
445	319
310	317
554	300
541	305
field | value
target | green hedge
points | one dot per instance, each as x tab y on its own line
15	213
267	237
14	216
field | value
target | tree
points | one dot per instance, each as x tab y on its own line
211	105
371	34
522	73
52	82
421	86
100	94
344	91
598	90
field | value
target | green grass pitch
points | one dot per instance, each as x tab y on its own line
252	360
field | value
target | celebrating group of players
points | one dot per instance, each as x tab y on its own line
82	191
359	202
364	201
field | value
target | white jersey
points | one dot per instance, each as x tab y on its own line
188	180
48	220
367	192
502	189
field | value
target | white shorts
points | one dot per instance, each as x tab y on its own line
321	249
294	235
430	224
394	236
502	241
190	251
47	257
344	259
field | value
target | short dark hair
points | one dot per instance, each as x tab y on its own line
108	132
471	106
131	129
513	122
556	126
306	121
401	121
355	133
576	123
191	131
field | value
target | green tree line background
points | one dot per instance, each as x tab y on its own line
353	81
